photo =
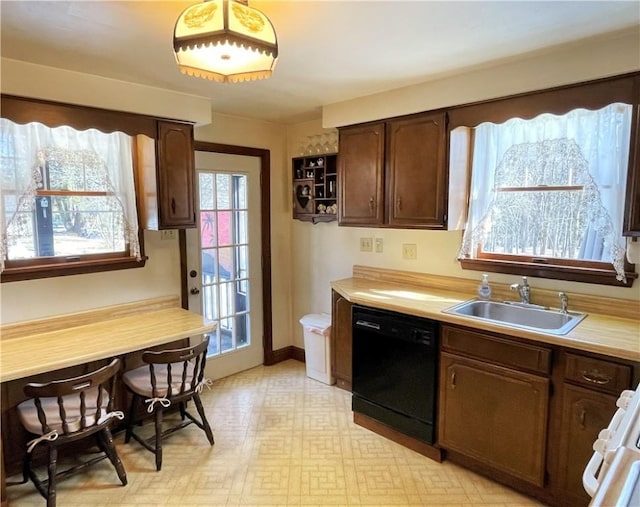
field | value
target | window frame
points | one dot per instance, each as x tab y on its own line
23	110
591	95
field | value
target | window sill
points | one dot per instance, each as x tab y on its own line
574	274
71	268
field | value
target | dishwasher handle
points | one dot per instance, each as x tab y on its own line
368	325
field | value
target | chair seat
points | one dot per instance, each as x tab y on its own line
29	415
139	380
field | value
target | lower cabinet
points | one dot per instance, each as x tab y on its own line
495	415
584	414
526	412
341	340
590	388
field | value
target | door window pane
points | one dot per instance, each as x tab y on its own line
208	232
242	330
225	228
223	191
206	183
227	338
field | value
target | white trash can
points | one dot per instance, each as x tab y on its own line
317	350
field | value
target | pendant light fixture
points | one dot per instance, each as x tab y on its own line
226	41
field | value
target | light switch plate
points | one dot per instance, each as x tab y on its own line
168	234
366	244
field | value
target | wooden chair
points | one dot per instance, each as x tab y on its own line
170	377
64	411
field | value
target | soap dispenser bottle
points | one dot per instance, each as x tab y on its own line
484	289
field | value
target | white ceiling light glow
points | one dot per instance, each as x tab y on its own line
226	41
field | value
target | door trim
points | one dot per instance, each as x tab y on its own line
265	226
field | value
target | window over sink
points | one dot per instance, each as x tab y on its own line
548	184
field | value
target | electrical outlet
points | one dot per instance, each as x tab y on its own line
366	244
378	245
168	234
409	251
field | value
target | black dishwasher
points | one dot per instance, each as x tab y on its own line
395	370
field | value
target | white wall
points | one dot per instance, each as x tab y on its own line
33	299
326	252
608	55
41	82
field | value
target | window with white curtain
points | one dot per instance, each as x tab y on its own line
550	190
66	196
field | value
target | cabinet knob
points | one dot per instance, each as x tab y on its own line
371	203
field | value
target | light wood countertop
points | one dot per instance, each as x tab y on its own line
108	336
613	336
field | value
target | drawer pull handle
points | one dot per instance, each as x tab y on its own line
583	415
596	377
173	205
453	380
371	201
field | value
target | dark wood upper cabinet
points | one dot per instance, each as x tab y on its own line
416	173
175	176
393	173
631	226
361	175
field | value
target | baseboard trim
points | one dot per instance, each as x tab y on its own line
283	354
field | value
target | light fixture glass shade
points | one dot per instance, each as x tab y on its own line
226	41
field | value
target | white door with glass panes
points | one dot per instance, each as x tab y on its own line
224	277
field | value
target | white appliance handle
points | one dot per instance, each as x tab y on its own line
609	439
589	480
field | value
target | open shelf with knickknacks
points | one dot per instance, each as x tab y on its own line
315	188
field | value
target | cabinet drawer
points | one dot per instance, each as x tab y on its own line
498	350
598	373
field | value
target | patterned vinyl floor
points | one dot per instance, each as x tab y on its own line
281	439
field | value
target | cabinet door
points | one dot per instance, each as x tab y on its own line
495	415
416	172
360	174
176	199
631	225
341	340
584	414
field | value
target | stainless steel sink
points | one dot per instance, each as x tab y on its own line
531	317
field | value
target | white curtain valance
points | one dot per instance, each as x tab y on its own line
587	148
25	149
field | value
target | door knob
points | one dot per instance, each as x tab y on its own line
195	291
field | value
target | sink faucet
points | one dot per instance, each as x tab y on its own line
564	302
524	289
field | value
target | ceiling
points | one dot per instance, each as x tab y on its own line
329	51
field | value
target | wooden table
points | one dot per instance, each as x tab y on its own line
31	348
